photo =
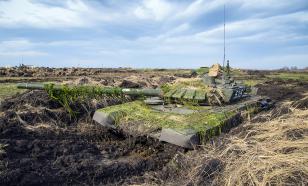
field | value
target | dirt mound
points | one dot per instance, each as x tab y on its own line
34	98
85	80
139	82
28	71
132	81
130	84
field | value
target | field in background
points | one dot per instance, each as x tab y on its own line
250	78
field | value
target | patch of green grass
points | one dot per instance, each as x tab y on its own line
138	112
8	89
302	76
202	70
252	82
237	72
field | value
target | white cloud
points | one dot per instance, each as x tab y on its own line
20	48
275	29
16	43
28	53
269	4
199	7
73	13
154	9
20	13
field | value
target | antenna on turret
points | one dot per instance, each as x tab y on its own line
223	64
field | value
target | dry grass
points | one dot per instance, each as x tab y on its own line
273	153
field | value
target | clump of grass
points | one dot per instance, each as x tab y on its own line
67	95
190	83
252	82
202	70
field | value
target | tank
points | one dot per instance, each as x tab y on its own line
185	113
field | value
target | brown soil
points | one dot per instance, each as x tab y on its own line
43	145
25	71
283	89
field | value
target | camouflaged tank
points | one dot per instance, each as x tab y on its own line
186	113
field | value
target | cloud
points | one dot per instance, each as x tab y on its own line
38	14
199	7
281	28
28	53
154	10
20	48
20	13
16	43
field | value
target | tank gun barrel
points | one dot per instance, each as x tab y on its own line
125	91
33	86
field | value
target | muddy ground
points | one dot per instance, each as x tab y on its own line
42	145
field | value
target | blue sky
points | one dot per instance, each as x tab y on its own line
153	33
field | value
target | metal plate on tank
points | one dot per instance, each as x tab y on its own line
173	109
186	139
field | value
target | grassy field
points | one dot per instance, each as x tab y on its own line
8	89
298	76
289	75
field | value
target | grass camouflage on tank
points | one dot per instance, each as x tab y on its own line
137	118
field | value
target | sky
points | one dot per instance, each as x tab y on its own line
260	34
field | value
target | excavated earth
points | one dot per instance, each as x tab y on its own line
42	145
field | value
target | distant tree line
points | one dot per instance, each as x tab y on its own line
292	69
